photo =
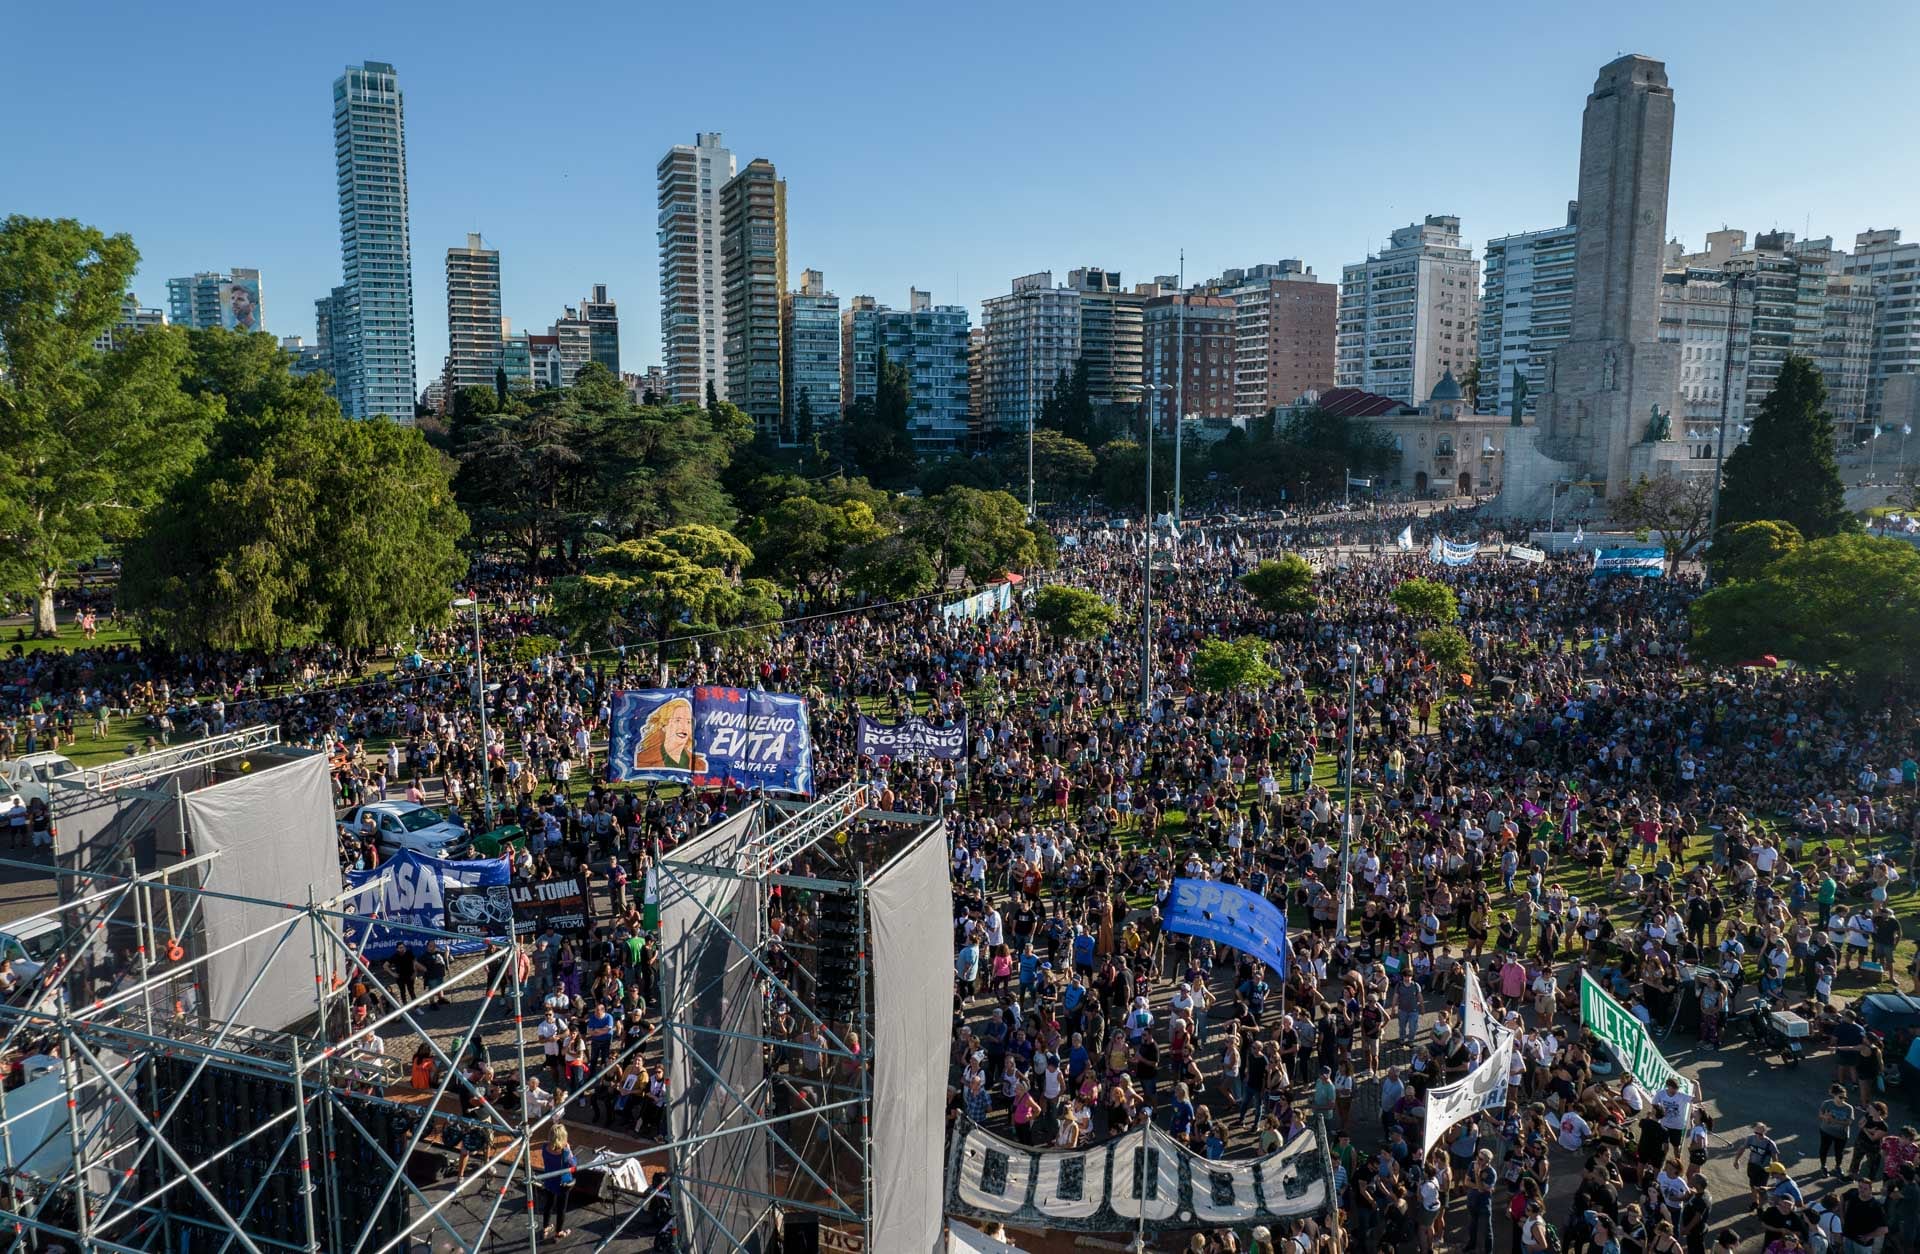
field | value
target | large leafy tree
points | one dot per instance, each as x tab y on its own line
1745	550
1282	586
297	523
1074	613
1427	601
88	440
1068	407
986	533
677	581
877	432
1232	665
1060	462
1786	469
1850	603
805	542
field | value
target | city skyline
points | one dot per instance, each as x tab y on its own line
987	202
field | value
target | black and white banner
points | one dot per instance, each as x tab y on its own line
565	905
912	737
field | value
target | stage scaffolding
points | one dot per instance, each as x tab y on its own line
92	1159
767	1035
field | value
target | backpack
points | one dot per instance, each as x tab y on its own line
1553	1237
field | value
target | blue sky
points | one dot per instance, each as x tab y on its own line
943	146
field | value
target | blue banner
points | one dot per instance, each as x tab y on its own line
413	888
1447	553
911	738
1231	916
1645	563
709	737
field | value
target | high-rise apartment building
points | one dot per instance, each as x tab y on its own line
473	315
330	315
572	339
652	383
1190	350
1893	268
1526	311
1409	314
370	158
1033	337
1699	312
602	316
753	268
812	366
976	380
1845	352
1284	322
229	299
1111	335
134	318
932	344
692	302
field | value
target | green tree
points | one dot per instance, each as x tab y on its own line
1068	407
1678	507
1427	601
877	429
1233	665
1074	613
300	524
88	440
1745	550
1448	650
986	533
1786	469
803	418
805	542
654	583
1283	586
1849	603
889	569
1060	462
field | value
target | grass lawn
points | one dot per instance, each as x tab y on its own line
16	639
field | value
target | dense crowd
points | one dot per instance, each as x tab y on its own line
1589	802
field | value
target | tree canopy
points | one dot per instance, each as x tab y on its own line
1282	586
297	522
1232	665
1427	601
1074	613
1850	603
878	431
1745	550
985	533
89	440
1679	508
1786	469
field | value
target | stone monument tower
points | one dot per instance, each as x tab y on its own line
1610	387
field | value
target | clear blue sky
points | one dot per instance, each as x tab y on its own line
944	146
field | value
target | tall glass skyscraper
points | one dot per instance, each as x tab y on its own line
373	337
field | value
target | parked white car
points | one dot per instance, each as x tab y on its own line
31	945
408	825
34	775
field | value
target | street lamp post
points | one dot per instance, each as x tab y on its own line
1346	823
480	700
1146	584
1726	397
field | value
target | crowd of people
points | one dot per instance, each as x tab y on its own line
1586	801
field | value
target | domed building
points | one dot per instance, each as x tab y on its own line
1445	448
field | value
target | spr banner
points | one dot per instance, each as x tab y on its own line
1524	553
561	905
413	888
912	738
712	736
1484	1088
1232	916
1645	563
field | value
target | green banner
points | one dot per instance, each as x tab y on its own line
1613	1023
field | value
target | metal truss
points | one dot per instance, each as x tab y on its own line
89	786
107	1048
823	1166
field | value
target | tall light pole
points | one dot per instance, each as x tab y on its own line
1352	652
480	700
1179	387
1734	279
1032	346
1146	584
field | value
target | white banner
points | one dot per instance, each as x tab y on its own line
1405	542
1521	553
1478	1024
1485	1088
1447	553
